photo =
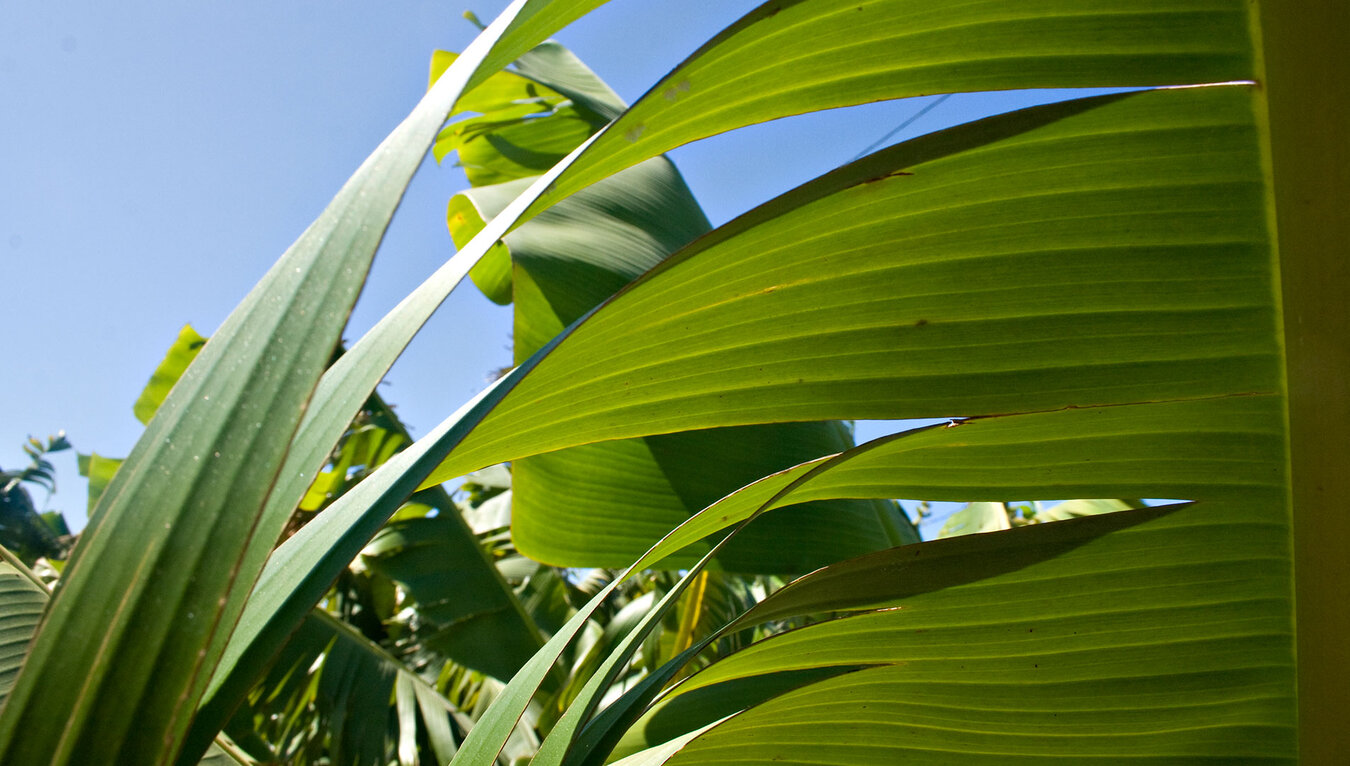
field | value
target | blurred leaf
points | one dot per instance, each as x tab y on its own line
22	599
468	212
494	513
976	518
56	522
557	67
99	470
39	470
28	534
175	363
1074	508
655	756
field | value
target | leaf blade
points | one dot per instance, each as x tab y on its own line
651	361
790	57
262	364
1168	638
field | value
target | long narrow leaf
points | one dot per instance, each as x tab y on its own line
912	312
1219	450
1103	149
1164	640
793	56
603	504
204	453
308	562
23	598
1096	157
559	741
349	382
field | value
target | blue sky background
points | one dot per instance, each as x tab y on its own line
156	158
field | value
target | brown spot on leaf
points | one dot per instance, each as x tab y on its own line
884	176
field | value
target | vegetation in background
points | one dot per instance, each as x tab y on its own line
27	532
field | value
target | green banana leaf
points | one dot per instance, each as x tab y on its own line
1174	653
1091	290
1105	150
1263	459
1102	152
1144	42
23	597
603	504
1085	286
1139	584
1073	509
1204	447
175	363
792	56
976	518
547	78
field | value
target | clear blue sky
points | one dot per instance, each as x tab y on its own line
157	157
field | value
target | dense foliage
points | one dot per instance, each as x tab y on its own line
1089	291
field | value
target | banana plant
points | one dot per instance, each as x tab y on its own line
603	504
1130	295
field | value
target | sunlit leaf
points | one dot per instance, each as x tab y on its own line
791	57
175	363
1166	639
1092	273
